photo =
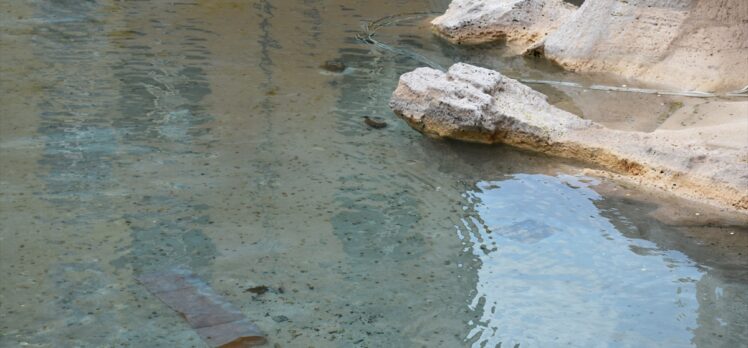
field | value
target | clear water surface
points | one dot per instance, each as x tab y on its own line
138	136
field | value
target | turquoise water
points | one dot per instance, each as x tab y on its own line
139	136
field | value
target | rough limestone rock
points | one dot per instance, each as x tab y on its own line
521	22
479	105
679	44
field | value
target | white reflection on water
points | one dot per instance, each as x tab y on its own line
554	271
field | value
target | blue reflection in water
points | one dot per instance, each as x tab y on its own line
553	271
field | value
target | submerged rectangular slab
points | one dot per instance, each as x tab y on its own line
215	320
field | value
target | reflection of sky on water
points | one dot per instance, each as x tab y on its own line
556	272
204	134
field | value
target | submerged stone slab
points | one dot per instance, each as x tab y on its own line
520	22
479	105
215	320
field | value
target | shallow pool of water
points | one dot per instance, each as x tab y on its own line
140	136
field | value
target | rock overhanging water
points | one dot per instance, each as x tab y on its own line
474	104
687	45
522	23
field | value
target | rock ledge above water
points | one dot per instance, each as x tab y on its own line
521	23
473	104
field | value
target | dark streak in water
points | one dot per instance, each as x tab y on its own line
160	110
79	138
315	22
102	115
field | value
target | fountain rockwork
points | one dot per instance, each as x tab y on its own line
682	45
687	44
480	105
522	23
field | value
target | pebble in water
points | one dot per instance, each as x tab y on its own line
333	66
374	123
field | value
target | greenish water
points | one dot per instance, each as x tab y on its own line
139	136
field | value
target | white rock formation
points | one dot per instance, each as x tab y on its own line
479	105
683	45
520	22
678	44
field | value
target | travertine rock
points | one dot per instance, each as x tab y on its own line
480	105
678	44
682	45
521	22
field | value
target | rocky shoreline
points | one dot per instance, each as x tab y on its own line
522	24
688	45
473	104
696	46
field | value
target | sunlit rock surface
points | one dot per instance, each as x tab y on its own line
683	45
480	105
520	22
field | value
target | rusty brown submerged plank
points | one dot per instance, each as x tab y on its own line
216	321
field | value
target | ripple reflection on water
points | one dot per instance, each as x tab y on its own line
555	271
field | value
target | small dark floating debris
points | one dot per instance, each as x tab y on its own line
374	123
280	318
334	65
216	321
272	92
257	290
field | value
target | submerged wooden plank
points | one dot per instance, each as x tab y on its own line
215	320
